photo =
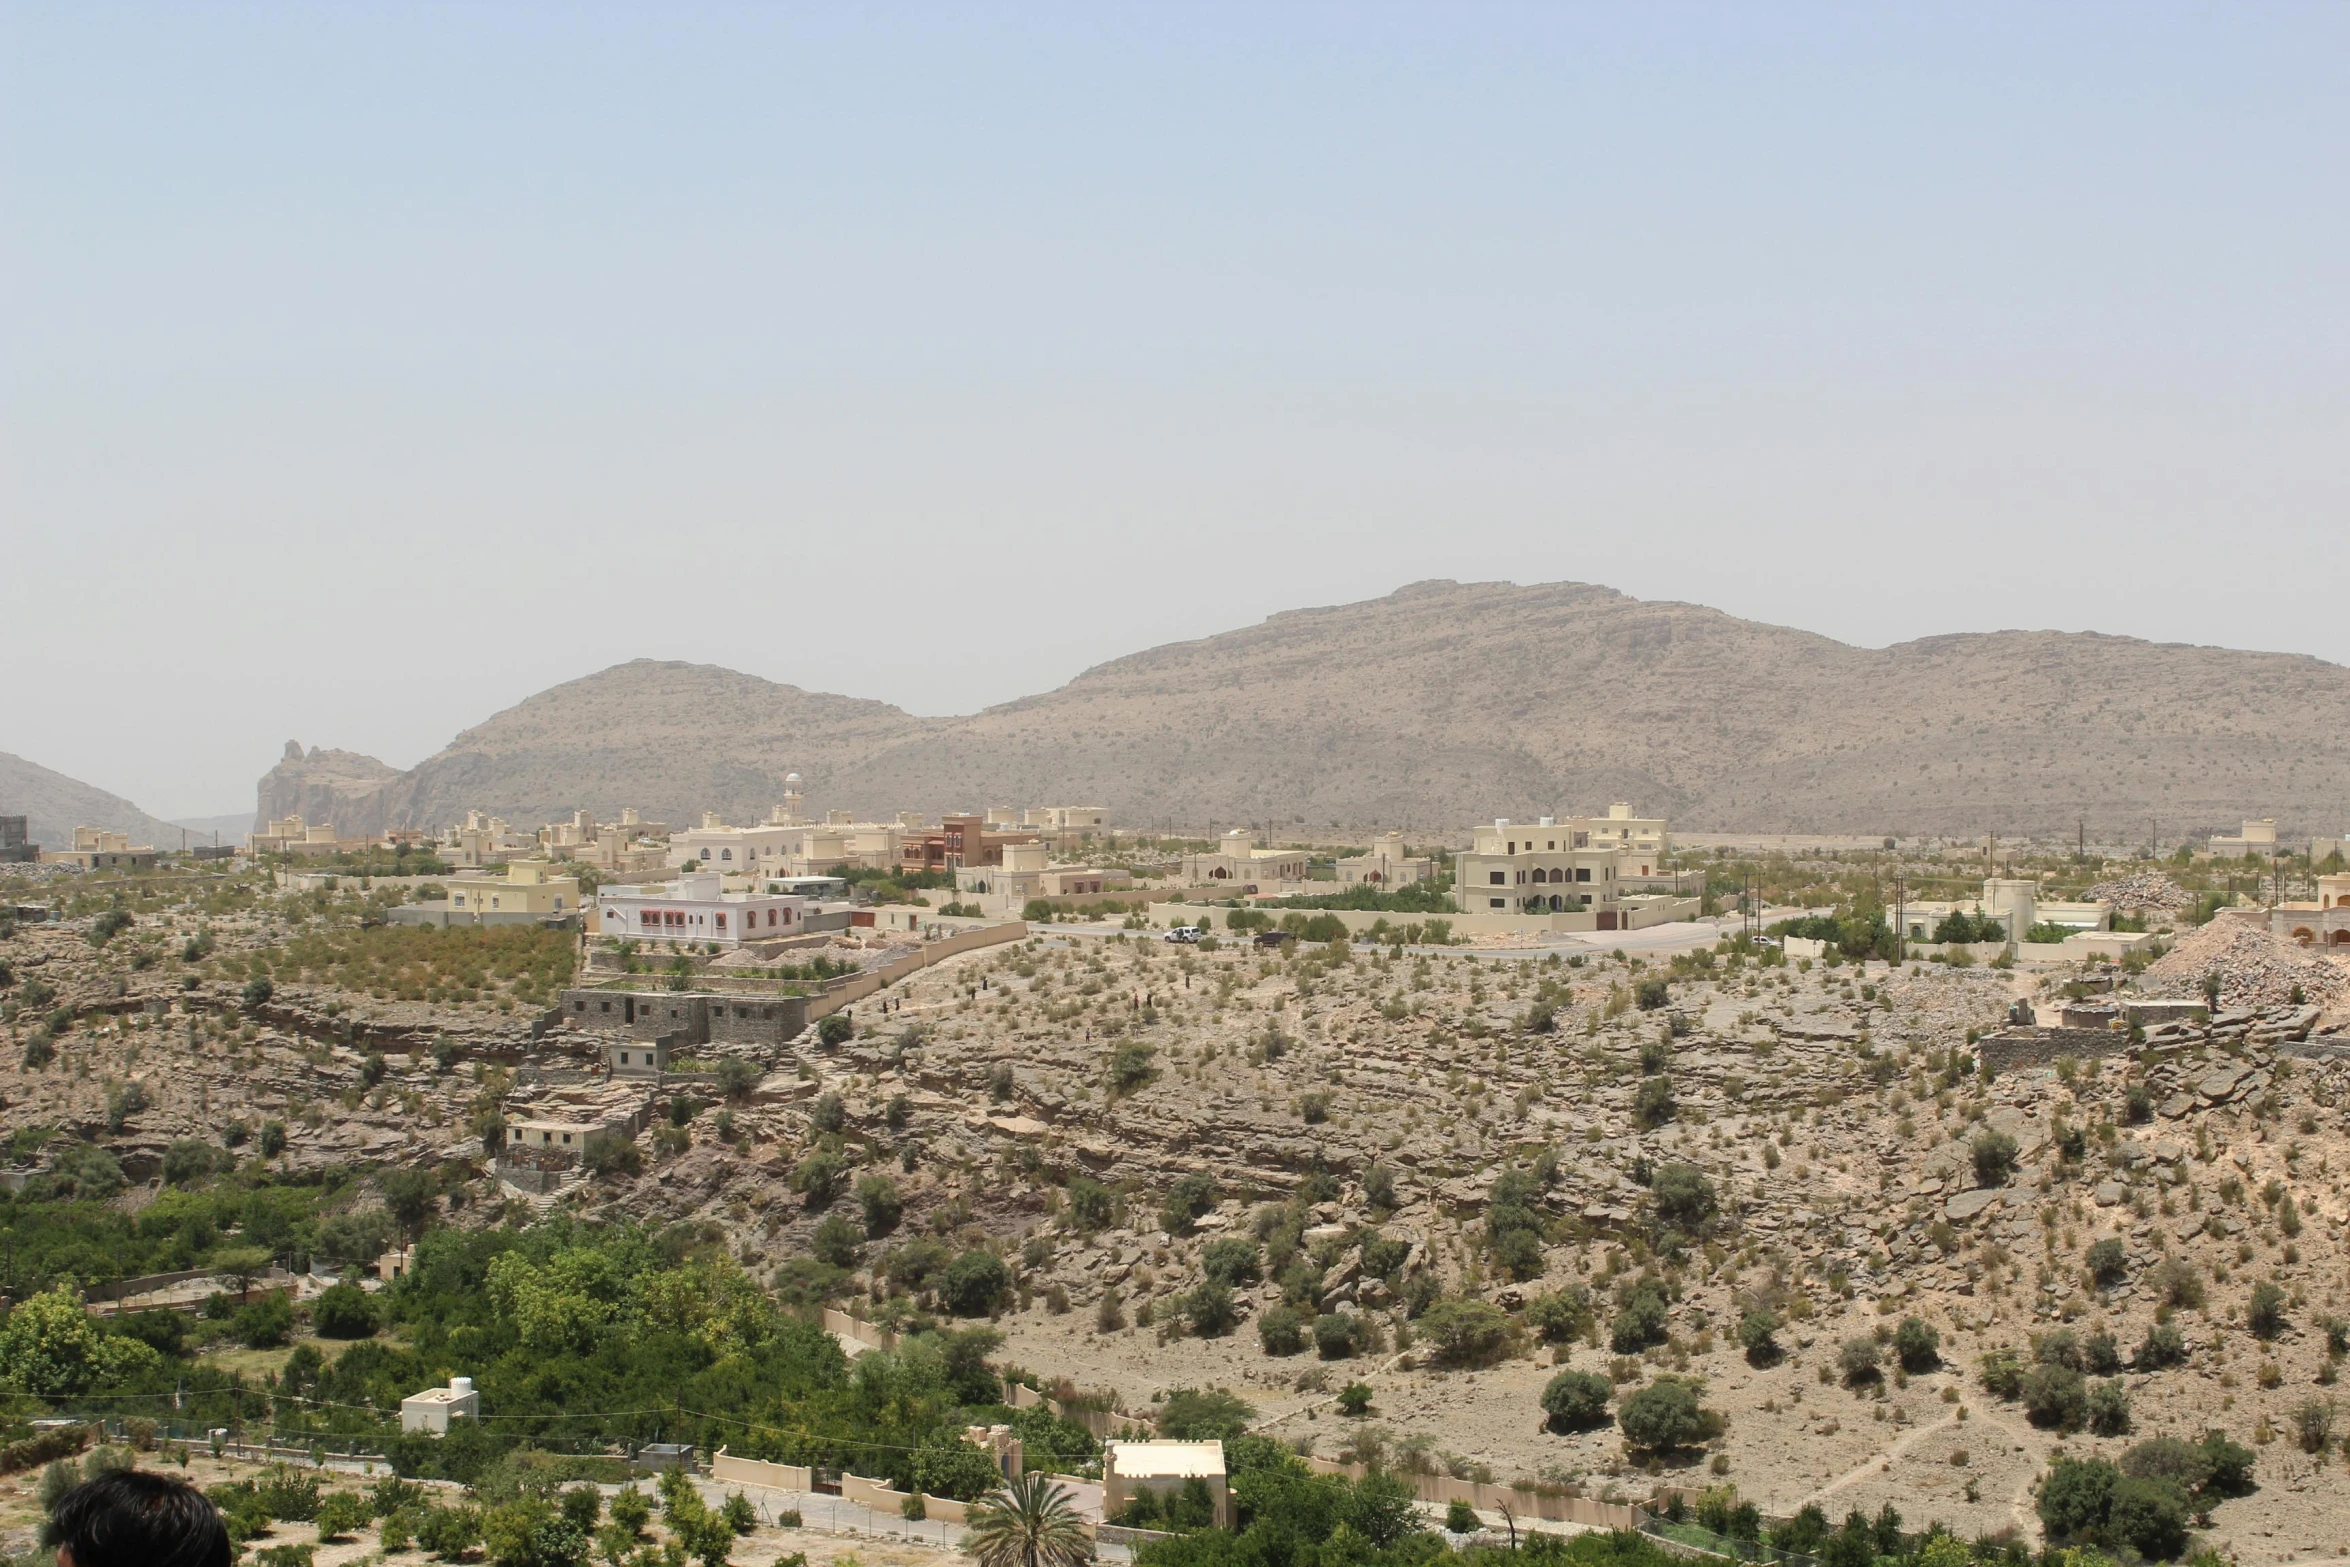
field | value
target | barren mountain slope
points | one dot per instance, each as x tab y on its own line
56	805
1449	702
671	739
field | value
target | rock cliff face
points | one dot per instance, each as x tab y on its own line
1446	703
338	788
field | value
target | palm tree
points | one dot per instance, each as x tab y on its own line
1029	1523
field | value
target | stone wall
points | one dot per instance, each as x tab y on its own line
2039	1046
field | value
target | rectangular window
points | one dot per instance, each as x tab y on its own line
1493	902
1582	873
1497	878
721	922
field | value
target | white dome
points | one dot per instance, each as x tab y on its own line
791	778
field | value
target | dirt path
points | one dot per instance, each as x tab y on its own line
1877	1461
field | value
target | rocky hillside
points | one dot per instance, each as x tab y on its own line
56	805
1448	702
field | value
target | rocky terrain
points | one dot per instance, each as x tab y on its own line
1442	704
1731	1134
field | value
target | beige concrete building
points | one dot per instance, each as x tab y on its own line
1385	864
525	887
1164	1469
1028	872
1538	868
1642	838
292	835
96	849
1237	862
2257	838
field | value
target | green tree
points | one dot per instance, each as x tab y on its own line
1917	1346
975	1284
1669	1413
1576	1401
50	1348
345	1311
878	1200
1994	1155
1193	1415
1030	1522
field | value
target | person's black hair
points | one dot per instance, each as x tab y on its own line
138	1518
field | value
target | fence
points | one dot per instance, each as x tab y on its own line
1551	1506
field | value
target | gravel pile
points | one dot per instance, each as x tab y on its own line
2149	892
2255	969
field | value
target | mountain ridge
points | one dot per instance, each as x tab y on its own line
1441	704
55	804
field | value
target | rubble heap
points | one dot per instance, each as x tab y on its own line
2143	892
2255	969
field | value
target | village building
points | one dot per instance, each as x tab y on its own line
433	1409
1237	863
1164	1469
955	842
695	909
2323	923
2013	903
16	845
523	892
1385	864
1537	868
292	835
2258	839
95	849
1642	838
1026	871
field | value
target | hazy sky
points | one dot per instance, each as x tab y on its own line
364	369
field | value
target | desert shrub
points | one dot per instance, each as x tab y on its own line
1282	1330
1465	1332
2264	1313
1994	1154
2056	1397
2003	1373
1668	1413
2109	1262
1232	1260
1213	1415
1651	994
838	1241
2174	1282
2100	1355
1859	1360
2108	1408
2163	1346
1576	1401
189	1159
1562	1316
1758	1334
1354	1399
1089	1203
1338	1335
1652	1103
609	1153
1379	1187
1208	1309
1683	1195
1641	1321
1190	1196
879	1202
975	1284
1917	1346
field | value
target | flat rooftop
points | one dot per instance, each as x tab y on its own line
1161	1460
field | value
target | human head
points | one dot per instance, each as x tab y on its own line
138	1518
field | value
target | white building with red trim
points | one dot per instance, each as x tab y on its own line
696	908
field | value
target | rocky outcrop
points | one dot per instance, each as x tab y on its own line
340	788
